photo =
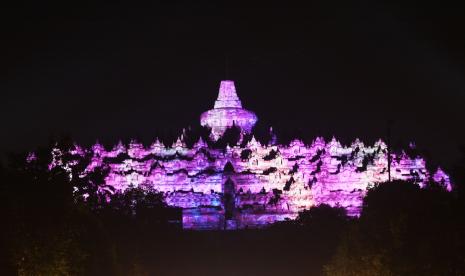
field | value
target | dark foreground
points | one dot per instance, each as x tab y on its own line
234	253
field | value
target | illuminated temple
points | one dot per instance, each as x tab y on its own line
253	185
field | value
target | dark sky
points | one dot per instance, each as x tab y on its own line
111	71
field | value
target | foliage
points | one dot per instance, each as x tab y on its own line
49	229
230	137
403	230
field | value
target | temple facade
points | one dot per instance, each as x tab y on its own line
254	185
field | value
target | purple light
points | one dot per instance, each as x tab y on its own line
323	172
227	112
31	157
442	178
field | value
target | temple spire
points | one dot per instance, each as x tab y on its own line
227	96
228	112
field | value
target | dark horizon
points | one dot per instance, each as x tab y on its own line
111	72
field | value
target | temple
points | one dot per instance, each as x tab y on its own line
253	185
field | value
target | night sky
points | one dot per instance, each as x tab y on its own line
116	71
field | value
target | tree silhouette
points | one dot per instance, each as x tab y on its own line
231	137
401	231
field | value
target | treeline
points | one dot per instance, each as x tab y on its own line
49	229
403	230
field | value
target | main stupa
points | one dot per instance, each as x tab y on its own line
227	112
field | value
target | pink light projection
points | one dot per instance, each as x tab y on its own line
227	112
442	178
272	184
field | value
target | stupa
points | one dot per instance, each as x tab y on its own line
227	112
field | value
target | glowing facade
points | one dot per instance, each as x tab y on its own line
251	186
227	112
